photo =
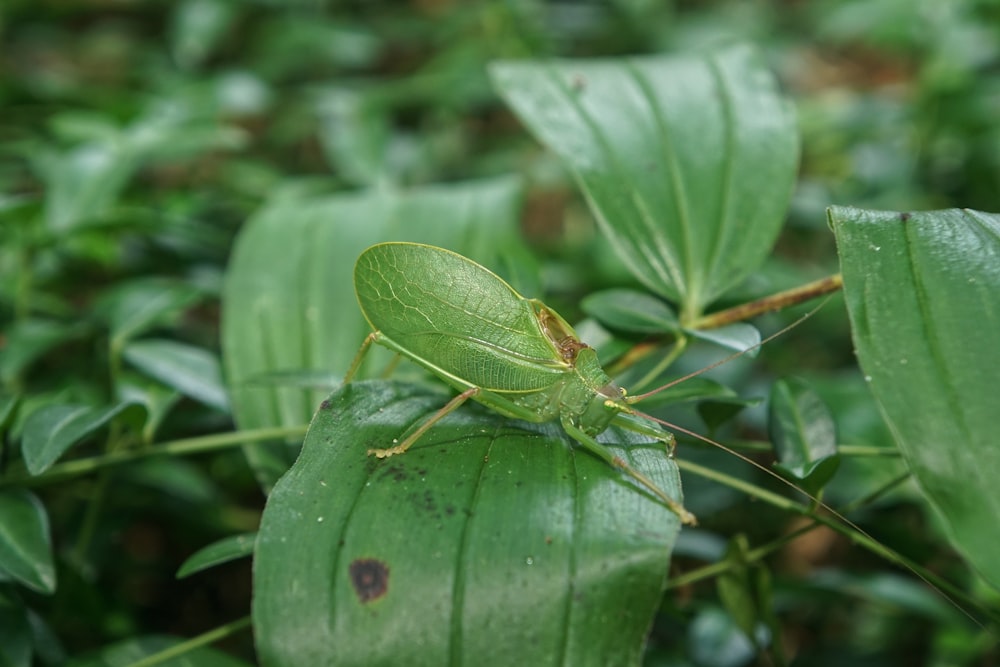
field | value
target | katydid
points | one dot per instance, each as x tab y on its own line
515	355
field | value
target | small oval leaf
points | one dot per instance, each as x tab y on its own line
630	311
25	546
739	337
217	553
51	430
804	434
190	370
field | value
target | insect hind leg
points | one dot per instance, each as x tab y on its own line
602	452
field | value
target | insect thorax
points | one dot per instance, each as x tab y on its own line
586	396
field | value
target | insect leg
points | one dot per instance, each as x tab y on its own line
639	425
450	406
373	337
590	444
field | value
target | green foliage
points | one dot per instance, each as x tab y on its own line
184	189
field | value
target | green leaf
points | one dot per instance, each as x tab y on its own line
197	29
923	294
25	546
15	630
289	304
491	542
190	370
630	311
804	434
82	183
157	399
217	553
716	640
735	588
51	430
693	389
29	340
687	162
739	337
8	408
354	132
716	411
134	307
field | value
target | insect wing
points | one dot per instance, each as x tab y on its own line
457	315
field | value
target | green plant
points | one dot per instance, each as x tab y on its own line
133	160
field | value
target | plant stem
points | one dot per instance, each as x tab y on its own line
751	556
203	639
770	303
842	525
188	446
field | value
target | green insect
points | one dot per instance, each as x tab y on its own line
516	356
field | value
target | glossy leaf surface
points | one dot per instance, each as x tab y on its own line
923	294
491	542
804	434
687	162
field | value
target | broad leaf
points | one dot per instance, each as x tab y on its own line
491	542
923	294
687	162
289	304
25	546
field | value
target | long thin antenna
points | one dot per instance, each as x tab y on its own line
886	551
735	355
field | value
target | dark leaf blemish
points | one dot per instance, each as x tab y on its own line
370	578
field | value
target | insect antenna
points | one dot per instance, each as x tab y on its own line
735	355
838	523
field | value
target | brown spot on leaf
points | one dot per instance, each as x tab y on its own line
370	578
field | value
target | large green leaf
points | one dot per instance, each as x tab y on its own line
923	293
688	162
491	542
289	304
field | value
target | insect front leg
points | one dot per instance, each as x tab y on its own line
450	406
605	454
373	337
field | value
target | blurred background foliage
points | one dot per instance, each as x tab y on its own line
136	138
